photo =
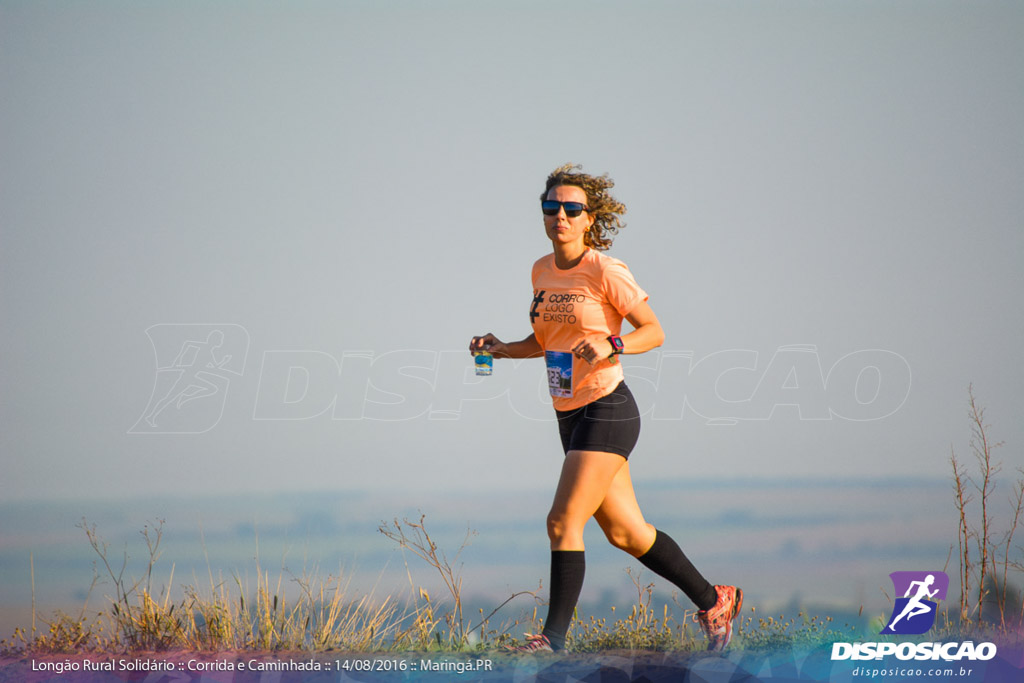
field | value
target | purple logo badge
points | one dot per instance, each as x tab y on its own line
914	613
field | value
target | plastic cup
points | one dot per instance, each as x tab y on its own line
484	362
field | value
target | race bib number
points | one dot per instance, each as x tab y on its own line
559	373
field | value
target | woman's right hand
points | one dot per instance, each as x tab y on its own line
487	342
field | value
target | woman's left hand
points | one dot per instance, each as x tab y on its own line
593	349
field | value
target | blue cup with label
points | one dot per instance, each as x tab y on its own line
484	362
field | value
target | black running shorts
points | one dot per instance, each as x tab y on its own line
611	424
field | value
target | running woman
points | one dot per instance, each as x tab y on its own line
580	297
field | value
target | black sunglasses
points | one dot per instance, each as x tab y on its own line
550	207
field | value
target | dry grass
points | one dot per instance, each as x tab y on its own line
281	612
228	614
284	612
987	558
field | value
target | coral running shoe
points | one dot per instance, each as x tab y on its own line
534	644
717	621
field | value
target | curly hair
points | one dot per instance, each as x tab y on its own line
605	209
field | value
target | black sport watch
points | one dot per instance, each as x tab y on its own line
617	345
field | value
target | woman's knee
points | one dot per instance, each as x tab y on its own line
619	537
561	524
631	540
556	525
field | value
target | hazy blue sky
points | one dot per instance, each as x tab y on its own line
824	202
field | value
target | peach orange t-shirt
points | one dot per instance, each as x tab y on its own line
587	300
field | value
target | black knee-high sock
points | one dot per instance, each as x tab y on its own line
567	570
666	559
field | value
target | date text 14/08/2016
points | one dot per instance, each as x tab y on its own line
448	666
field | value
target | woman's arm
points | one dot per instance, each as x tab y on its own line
526	348
646	335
